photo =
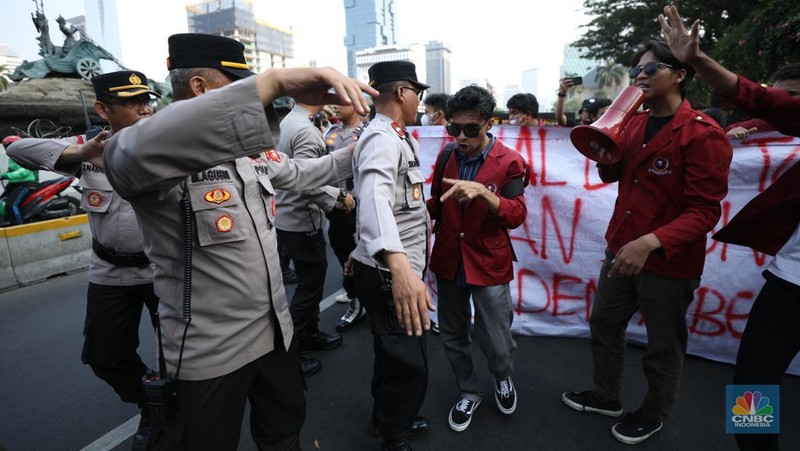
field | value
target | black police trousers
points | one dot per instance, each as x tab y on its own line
307	250
209	413
111	336
400	371
341	229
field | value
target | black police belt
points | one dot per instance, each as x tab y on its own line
117	258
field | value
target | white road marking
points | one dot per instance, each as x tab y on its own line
127	429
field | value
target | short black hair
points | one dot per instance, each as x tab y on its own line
664	55
525	103
436	101
787	72
471	98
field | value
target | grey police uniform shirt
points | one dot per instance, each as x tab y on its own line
388	180
111	218
205	144
303	211
339	137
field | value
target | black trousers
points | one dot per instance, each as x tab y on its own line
341	231
209	413
770	341
400	372
111	336
663	302
310	263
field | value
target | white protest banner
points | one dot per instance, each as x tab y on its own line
561	244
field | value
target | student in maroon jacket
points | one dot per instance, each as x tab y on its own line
770	223
483	183
672	176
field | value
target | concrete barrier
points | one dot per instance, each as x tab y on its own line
7	277
43	249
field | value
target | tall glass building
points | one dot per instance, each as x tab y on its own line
265	46
369	23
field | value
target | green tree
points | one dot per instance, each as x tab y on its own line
757	47
5	82
621	27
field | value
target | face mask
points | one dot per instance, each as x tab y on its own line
515	121
425	120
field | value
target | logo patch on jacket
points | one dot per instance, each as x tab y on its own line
273	155
417	192
492	187
660	166
95	199
217	196
224	224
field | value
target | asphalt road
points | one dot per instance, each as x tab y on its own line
50	401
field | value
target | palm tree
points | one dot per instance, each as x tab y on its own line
611	75
4	81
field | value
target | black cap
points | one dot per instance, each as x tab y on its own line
123	84
188	50
389	71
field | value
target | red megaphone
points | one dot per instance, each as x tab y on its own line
598	141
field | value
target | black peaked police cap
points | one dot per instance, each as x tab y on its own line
123	84
187	50
389	71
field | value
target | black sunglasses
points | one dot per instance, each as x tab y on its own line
418	92
649	69
470	130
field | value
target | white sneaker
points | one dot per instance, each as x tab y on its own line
342	298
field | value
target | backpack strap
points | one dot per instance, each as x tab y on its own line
436	188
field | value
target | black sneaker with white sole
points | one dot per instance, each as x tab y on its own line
588	401
461	414
505	396
355	311
635	428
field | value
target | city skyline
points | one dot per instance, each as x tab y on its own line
498	44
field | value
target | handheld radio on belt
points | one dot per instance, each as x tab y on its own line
160	389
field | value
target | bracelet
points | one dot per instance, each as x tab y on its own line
561	94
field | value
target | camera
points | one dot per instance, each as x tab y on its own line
577	81
160	394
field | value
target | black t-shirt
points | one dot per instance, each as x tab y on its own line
654	124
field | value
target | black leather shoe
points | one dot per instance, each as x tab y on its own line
310	366
320	341
141	439
398	446
418	428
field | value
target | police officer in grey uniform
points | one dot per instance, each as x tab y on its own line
342	227
120	276
202	178
391	254
300	223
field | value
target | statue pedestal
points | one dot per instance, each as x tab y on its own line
54	99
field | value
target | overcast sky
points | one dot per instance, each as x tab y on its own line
493	40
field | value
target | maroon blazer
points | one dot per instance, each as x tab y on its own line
769	219
671	187
473	235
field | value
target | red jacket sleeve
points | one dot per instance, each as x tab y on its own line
776	106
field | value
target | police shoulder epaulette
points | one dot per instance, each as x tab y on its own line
401	132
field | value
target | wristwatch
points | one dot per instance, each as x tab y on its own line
341	199
560	93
